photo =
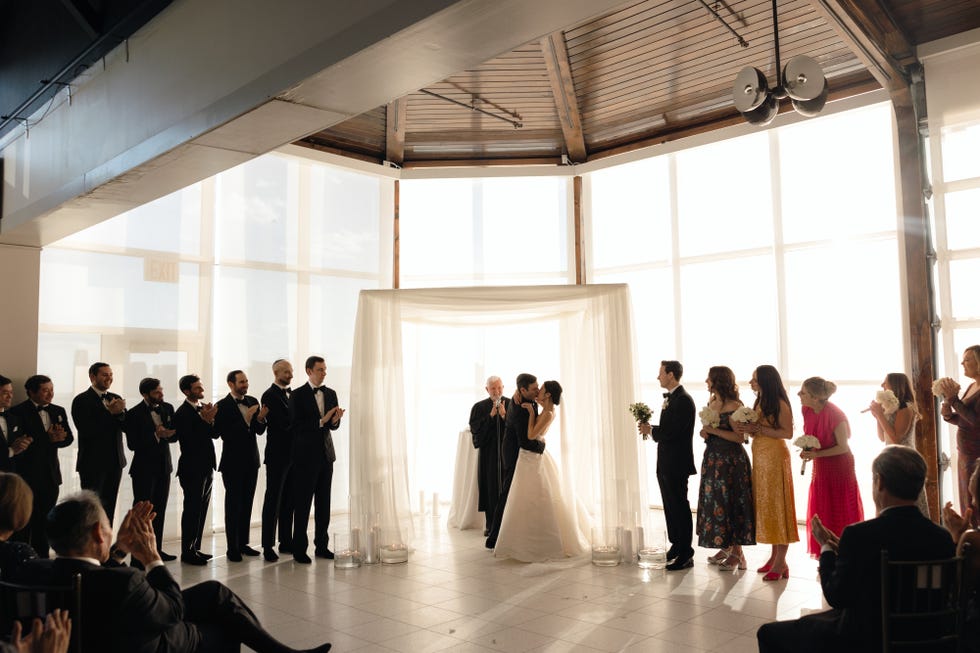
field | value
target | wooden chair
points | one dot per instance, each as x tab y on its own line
921	608
25	602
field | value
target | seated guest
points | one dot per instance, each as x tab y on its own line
51	636
968	546
16	504
144	612
850	566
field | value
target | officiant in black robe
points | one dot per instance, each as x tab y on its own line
487	426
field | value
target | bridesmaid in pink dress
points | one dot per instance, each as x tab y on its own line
964	413
834	494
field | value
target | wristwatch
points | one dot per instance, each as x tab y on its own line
117	554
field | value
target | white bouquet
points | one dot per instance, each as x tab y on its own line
745	415
806	443
937	388
888	401
709	417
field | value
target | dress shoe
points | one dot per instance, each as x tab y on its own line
285	547
680	563
166	557
234	556
249	551
486	532
270	555
301	557
192	558
324	553
671	553
202	554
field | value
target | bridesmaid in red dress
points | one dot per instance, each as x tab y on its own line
834	494
964	412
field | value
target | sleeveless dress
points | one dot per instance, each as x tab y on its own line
726	512
772	486
539	524
908	440
834	493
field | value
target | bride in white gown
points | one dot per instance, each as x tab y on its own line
539	523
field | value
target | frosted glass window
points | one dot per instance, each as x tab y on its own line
960	144
108	290
344	220
169	224
844	321
333	307
436	228
838	176
963	219
631	213
524	225
729	315
724	196
963	277
256	216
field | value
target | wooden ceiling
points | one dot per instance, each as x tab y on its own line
649	72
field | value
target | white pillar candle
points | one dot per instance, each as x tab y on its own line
435	504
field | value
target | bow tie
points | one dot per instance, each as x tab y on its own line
104	396
155	409
322	389
666	395
199	408
241	402
44	408
286	391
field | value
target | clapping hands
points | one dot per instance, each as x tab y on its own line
136	534
955	523
53	636
823	535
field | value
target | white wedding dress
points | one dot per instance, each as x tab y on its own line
539	524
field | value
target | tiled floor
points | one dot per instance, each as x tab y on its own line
453	595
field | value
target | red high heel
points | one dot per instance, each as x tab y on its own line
765	568
775	575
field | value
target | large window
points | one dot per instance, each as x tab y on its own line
780	247
263	261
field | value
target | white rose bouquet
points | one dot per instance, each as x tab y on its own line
709	417
887	400
937	388
806	443
745	415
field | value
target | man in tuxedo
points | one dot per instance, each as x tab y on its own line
313	412
128	610
47	426
487	423
238	421
99	416
13	439
277	506
515	439
194	423
675	462
149	432
850	566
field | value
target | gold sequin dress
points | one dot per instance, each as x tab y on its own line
772	483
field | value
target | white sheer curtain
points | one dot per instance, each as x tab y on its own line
600	453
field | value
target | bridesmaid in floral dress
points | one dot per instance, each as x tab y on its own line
772	477
964	412
834	494
726	515
898	427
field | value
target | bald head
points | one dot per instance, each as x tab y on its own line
282	370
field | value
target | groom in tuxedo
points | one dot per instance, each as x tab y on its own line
515	439
675	462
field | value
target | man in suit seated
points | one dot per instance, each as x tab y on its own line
130	610
850	566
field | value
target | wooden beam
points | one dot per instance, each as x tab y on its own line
579	231
395	239
563	88
395	112
873	37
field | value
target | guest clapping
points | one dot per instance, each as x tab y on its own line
964	413
834	494
772	478
726	514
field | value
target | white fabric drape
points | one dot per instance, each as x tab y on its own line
601	457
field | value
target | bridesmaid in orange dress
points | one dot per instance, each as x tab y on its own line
772	476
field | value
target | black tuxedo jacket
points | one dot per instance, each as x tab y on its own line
240	449
482	426
851	579
151	457
125	609
38	464
279	435
196	439
100	447
14	431
515	435
312	443
675	434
